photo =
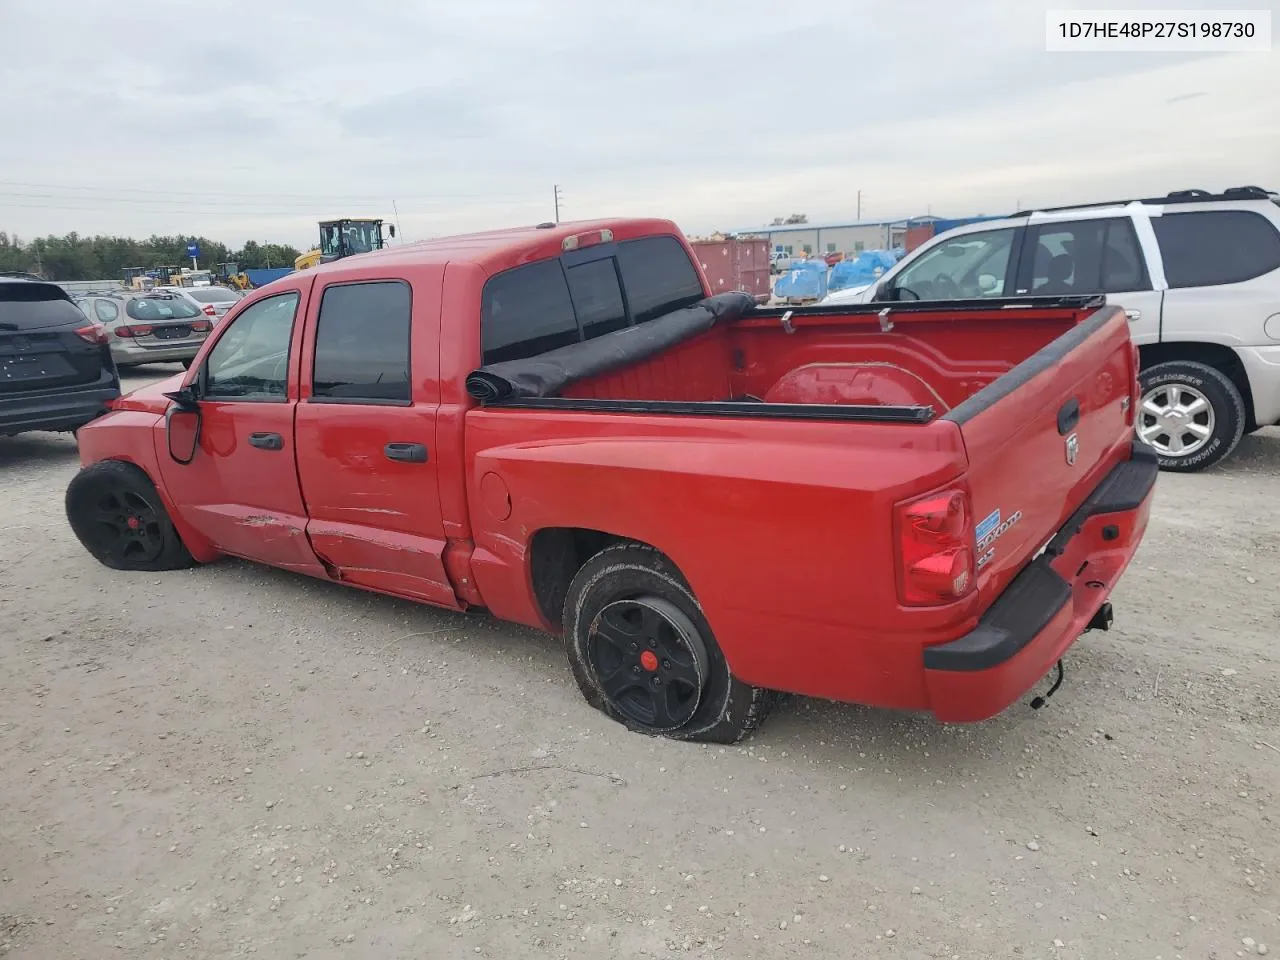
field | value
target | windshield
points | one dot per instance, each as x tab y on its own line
345	238
161	308
214	295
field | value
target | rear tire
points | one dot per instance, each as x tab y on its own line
663	670
117	515
1191	413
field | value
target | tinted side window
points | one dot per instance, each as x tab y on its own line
1086	256
1123	266
1210	247
597	298
525	312
657	276
250	361
362	343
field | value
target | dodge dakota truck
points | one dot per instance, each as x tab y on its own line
917	506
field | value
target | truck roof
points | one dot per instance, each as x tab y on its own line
497	250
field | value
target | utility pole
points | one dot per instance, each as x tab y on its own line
859	216
557	196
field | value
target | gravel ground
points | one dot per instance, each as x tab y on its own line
233	761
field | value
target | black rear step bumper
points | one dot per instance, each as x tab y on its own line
1036	596
67	408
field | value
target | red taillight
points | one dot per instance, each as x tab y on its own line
137	330
200	326
209	311
935	549
93	333
588	239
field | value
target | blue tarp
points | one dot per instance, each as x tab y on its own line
865	269
806	280
264	275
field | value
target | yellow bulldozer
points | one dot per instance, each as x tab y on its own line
343	238
229	274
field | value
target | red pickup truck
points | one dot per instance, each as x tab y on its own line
918	507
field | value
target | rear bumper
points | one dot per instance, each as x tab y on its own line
1048	605
161	353
66	408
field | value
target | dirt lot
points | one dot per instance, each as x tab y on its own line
231	761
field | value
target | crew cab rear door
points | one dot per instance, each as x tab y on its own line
368	459
1041	438
1113	255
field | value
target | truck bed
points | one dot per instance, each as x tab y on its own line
911	364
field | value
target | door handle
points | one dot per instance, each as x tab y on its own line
406	452
1133	315
266	441
1068	416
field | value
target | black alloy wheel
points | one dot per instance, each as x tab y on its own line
117	514
650	662
130	526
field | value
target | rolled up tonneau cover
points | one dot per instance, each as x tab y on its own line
548	373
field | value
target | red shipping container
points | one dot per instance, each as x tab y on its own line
735	264
918	235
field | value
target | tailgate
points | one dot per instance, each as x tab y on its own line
1040	438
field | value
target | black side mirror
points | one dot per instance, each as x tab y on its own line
391	230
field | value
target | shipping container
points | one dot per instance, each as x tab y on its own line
735	263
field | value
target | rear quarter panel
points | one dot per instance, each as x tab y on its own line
783	529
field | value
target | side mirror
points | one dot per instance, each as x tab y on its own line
182	430
391	230
182	425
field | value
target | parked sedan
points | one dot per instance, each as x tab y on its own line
152	327
212	301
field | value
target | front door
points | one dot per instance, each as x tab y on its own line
366	430
241	487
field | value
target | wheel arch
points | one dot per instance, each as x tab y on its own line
1221	358
556	554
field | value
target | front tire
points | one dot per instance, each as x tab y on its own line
117	515
643	653
1191	413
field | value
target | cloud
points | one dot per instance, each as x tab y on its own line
714	114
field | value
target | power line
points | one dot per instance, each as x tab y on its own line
308	197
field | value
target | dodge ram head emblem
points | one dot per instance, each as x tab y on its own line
1073	449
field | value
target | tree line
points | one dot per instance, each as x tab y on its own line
74	257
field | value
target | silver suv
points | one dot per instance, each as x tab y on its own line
1197	273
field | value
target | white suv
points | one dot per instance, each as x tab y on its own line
1197	273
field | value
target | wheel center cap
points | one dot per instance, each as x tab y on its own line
649	660
134	523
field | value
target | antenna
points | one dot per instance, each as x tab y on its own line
557	197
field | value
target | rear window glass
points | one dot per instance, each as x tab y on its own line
657	276
29	306
597	297
213	295
161	308
526	311
1210	247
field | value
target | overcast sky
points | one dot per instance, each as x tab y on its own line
140	118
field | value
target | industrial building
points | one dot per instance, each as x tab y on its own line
812	239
